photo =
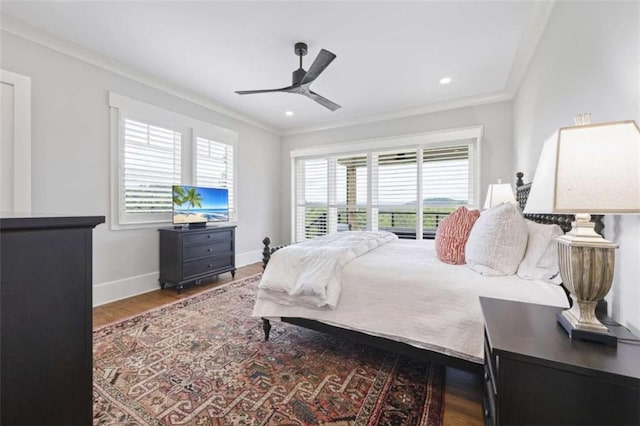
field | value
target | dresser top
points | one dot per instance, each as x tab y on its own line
186	230
21	220
524	331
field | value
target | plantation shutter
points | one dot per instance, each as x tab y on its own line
447	182
397	186
151	166
214	167
312	203
351	192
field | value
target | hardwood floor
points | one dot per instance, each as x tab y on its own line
463	395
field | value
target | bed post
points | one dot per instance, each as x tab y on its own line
266	326
519	181
266	252
266	255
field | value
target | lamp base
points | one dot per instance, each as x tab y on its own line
607	338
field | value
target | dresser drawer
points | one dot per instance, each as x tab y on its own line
207	265
490	394
207	237
489	398
490	365
208	250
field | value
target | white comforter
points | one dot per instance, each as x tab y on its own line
310	273
401	291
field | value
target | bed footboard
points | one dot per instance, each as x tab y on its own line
267	251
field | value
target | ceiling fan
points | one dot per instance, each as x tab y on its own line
302	79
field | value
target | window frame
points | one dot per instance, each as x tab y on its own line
121	108
418	141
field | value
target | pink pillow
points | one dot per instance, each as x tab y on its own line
452	234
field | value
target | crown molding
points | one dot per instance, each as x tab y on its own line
529	42
468	101
23	30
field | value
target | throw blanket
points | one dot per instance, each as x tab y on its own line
310	273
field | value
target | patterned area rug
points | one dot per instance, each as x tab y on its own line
203	361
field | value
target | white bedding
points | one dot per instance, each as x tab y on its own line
401	291
310	273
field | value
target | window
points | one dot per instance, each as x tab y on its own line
406	190
151	165
153	149
312	203
214	167
447	182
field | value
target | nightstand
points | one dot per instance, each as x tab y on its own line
535	375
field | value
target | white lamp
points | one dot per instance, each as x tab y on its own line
499	193
583	170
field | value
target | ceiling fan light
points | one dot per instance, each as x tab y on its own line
445	80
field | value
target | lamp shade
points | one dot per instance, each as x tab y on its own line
499	193
591	169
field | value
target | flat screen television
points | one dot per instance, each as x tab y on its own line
196	206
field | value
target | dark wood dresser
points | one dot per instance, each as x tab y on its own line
189	256
535	375
46	320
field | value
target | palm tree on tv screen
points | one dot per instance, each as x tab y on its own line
193	197
178	195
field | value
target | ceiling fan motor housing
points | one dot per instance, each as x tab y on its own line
297	76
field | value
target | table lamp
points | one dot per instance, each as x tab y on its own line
499	193
583	170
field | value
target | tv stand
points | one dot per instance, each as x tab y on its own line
198	225
193	255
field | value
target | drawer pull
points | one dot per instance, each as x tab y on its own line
209	250
208	236
210	265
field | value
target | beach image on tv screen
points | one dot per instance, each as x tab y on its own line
195	204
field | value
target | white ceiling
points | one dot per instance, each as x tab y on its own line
390	55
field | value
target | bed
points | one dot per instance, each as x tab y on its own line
414	315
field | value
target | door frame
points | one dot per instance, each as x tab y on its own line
21	139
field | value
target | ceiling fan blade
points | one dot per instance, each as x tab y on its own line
251	92
322	61
323	101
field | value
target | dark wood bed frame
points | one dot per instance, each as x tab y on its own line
522	192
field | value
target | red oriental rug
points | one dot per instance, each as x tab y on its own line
203	361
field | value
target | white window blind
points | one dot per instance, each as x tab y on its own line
351	192
214	167
312	202
151	166
397	191
447	182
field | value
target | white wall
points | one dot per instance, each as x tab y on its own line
70	162
587	61
497	152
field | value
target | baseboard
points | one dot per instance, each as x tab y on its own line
124	288
132	286
248	258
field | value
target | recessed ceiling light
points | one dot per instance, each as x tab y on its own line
445	80
288	113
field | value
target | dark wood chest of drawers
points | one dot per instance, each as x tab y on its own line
535	375
45	319
189	256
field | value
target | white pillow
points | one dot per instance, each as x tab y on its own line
497	241
541	258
